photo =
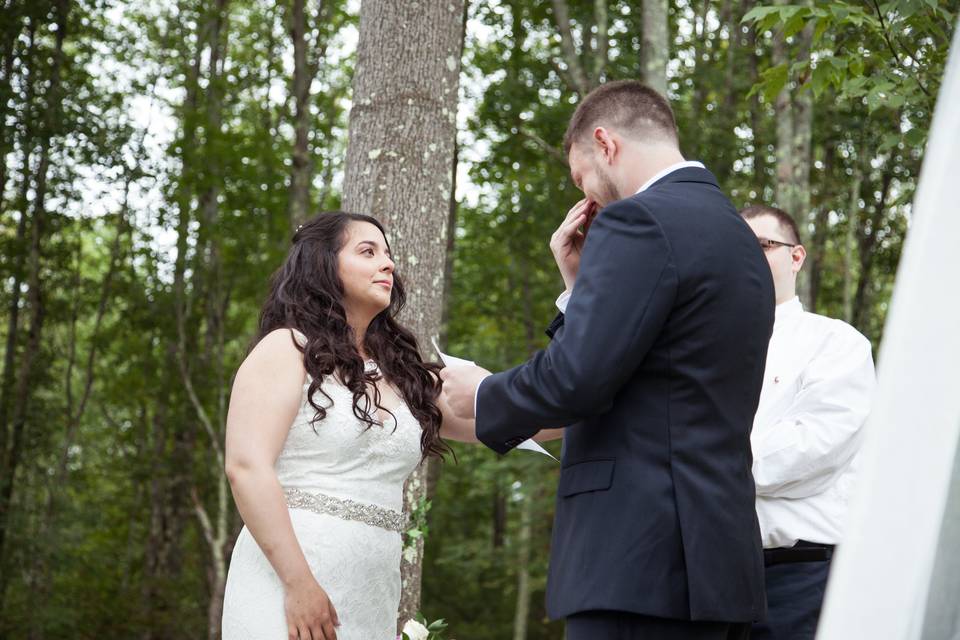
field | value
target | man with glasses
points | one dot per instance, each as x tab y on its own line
817	391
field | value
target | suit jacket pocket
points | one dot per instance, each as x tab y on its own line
589	475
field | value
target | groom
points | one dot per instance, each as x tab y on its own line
655	370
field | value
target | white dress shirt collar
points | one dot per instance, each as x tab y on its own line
790	308
686	164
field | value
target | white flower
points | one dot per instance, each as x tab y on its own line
413	630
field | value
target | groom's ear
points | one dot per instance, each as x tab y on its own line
605	144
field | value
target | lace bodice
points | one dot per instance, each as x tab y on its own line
340	457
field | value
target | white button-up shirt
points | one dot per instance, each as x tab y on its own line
817	391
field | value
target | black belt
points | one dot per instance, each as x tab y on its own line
803	551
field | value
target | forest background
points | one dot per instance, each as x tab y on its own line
156	155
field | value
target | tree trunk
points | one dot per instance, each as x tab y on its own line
700	45
9	459
783	108
794	113
756	116
213	526
850	243
9	34
54	99
868	240
302	169
530	481
803	141
656	44
399	168
601	50
522	608
817	250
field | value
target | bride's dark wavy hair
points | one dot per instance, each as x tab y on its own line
306	294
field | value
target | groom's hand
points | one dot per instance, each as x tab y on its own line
460	389
567	241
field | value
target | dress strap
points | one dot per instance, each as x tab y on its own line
299	336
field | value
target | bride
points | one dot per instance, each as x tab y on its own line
329	413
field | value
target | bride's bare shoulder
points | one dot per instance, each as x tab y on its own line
276	354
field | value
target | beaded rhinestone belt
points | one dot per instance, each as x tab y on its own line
347	509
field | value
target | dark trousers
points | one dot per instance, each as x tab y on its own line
794	597
618	625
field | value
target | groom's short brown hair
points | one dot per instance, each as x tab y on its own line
628	106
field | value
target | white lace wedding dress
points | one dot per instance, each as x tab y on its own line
343	485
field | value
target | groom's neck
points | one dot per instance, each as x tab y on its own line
641	162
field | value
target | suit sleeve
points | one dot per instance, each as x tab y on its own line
624	292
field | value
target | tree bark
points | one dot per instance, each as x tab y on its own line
522	608
399	168
817	250
850	241
756	115
54	99
601	51
794	113
213	526
35	297
656	44
700	36
302	169
8	457
9	34
575	72
802	154
868	240
783	108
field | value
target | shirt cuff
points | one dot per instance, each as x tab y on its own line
562	301
476	394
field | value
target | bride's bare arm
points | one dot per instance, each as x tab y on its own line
263	404
545	435
463	430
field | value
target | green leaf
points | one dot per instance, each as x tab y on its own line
795	24
821	78
821	27
890	141
916	137
856	66
773	81
759	13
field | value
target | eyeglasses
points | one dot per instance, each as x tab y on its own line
767	244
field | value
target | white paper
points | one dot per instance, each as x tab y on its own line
533	445
453	361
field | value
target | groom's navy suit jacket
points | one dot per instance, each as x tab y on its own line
656	371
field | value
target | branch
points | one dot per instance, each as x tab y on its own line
198	406
562	16
893	50
551	150
201	512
